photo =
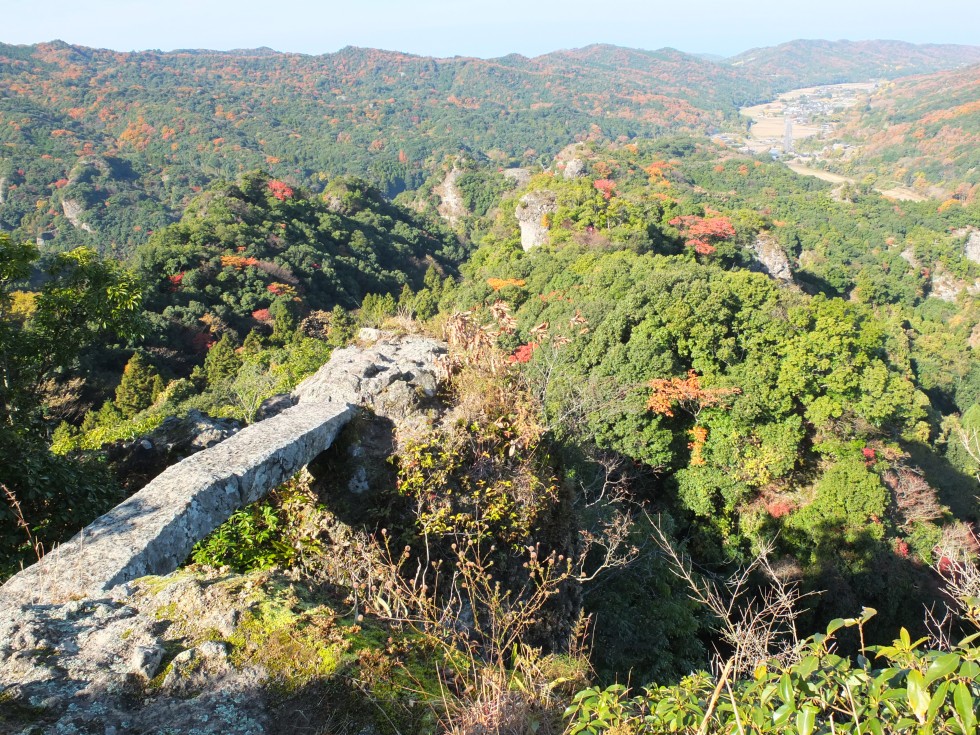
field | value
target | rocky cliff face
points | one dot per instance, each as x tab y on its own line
73	210
203	651
947	287
772	258
154	530
972	247
521	176
451	206
532	212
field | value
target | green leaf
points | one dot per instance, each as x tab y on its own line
806	718
965	707
938	700
786	691
781	716
835	625
942	666
970	670
918	695
806	667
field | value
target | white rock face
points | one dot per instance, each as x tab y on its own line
451	206
574	168
532	211
73	210
519	175
947	287
772	257
972	249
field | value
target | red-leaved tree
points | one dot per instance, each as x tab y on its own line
703	233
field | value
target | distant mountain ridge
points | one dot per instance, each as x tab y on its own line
121	141
812	62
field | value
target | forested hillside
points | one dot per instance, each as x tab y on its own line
114	144
102	148
811	62
923	131
698	413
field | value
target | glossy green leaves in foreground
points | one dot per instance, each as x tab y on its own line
914	691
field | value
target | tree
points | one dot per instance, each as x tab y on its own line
283	320
84	298
222	362
138	387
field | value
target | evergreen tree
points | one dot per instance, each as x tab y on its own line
284	320
222	362
342	326
139	386
433	281
252	344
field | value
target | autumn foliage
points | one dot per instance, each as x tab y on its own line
605	186
703	233
499	283
238	261
522	354
280	190
687	393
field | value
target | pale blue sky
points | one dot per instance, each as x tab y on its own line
481	27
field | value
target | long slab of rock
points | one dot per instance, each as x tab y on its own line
154	531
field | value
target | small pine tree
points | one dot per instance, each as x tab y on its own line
406	299
342	326
138	385
252	344
284	321
426	304
433	281
158	388
222	362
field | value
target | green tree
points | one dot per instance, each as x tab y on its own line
84	298
222	362
138	387
283	320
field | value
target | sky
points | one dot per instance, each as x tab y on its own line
484	28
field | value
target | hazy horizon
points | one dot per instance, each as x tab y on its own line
482	29
205	49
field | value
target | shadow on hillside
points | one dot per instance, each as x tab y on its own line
851	569
957	490
355	478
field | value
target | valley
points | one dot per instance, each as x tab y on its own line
587	393
812	114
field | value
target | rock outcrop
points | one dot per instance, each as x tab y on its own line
3	190
451	206
136	462
520	176
972	248
172	655
73	210
533	211
154	530
574	168
947	287
772	258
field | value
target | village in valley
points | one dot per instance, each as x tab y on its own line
799	128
